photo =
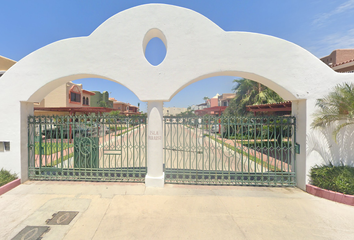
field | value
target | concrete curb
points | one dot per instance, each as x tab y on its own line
7	187
330	195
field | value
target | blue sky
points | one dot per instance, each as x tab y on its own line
320	26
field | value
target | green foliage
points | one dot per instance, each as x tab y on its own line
249	92
114	113
338	179
251	157
338	105
273	130
103	104
6	177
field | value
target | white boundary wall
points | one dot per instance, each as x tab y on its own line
196	49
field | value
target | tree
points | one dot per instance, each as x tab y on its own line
103	104
338	105
114	113
205	98
249	92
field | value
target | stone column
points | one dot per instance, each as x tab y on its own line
155	175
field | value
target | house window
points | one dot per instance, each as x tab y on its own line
75	97
7	146
75	94
85	101
4	146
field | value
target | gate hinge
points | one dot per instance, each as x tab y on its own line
297	148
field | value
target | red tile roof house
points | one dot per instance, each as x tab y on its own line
340	60
216	105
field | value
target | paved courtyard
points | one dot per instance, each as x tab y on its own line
132	211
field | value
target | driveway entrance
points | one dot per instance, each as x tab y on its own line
230	150
194	52
87	148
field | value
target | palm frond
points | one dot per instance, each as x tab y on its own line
338	128
338	105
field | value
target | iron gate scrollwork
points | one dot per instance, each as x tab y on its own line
86	152
87	148
230	150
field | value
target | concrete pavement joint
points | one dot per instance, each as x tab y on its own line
232	217
138	212
102	219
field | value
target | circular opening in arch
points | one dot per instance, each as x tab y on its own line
155	51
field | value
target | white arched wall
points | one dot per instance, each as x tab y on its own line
196	48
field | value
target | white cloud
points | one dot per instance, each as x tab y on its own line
332	42
346	6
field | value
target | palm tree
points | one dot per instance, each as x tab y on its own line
338	105
249	92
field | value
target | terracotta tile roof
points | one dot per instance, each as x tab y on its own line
88	92
337	64
272	107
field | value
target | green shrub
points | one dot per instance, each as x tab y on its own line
338	179
6	177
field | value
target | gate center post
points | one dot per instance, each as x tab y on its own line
155	176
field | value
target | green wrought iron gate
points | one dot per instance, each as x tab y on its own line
87	148
230	150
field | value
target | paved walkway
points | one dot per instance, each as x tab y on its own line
131	211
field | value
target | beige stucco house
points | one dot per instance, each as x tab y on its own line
225	98
173	111
68	95
340	60
5	64
124	108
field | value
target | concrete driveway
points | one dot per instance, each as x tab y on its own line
131	211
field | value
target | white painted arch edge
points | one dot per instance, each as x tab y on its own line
196	51
199	49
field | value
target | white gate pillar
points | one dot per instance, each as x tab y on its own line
155	175
299	110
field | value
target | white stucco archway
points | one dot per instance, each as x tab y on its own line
196	49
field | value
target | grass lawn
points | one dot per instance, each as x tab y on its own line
334	178
253	158
50	148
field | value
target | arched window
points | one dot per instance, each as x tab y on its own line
83	101
87	101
